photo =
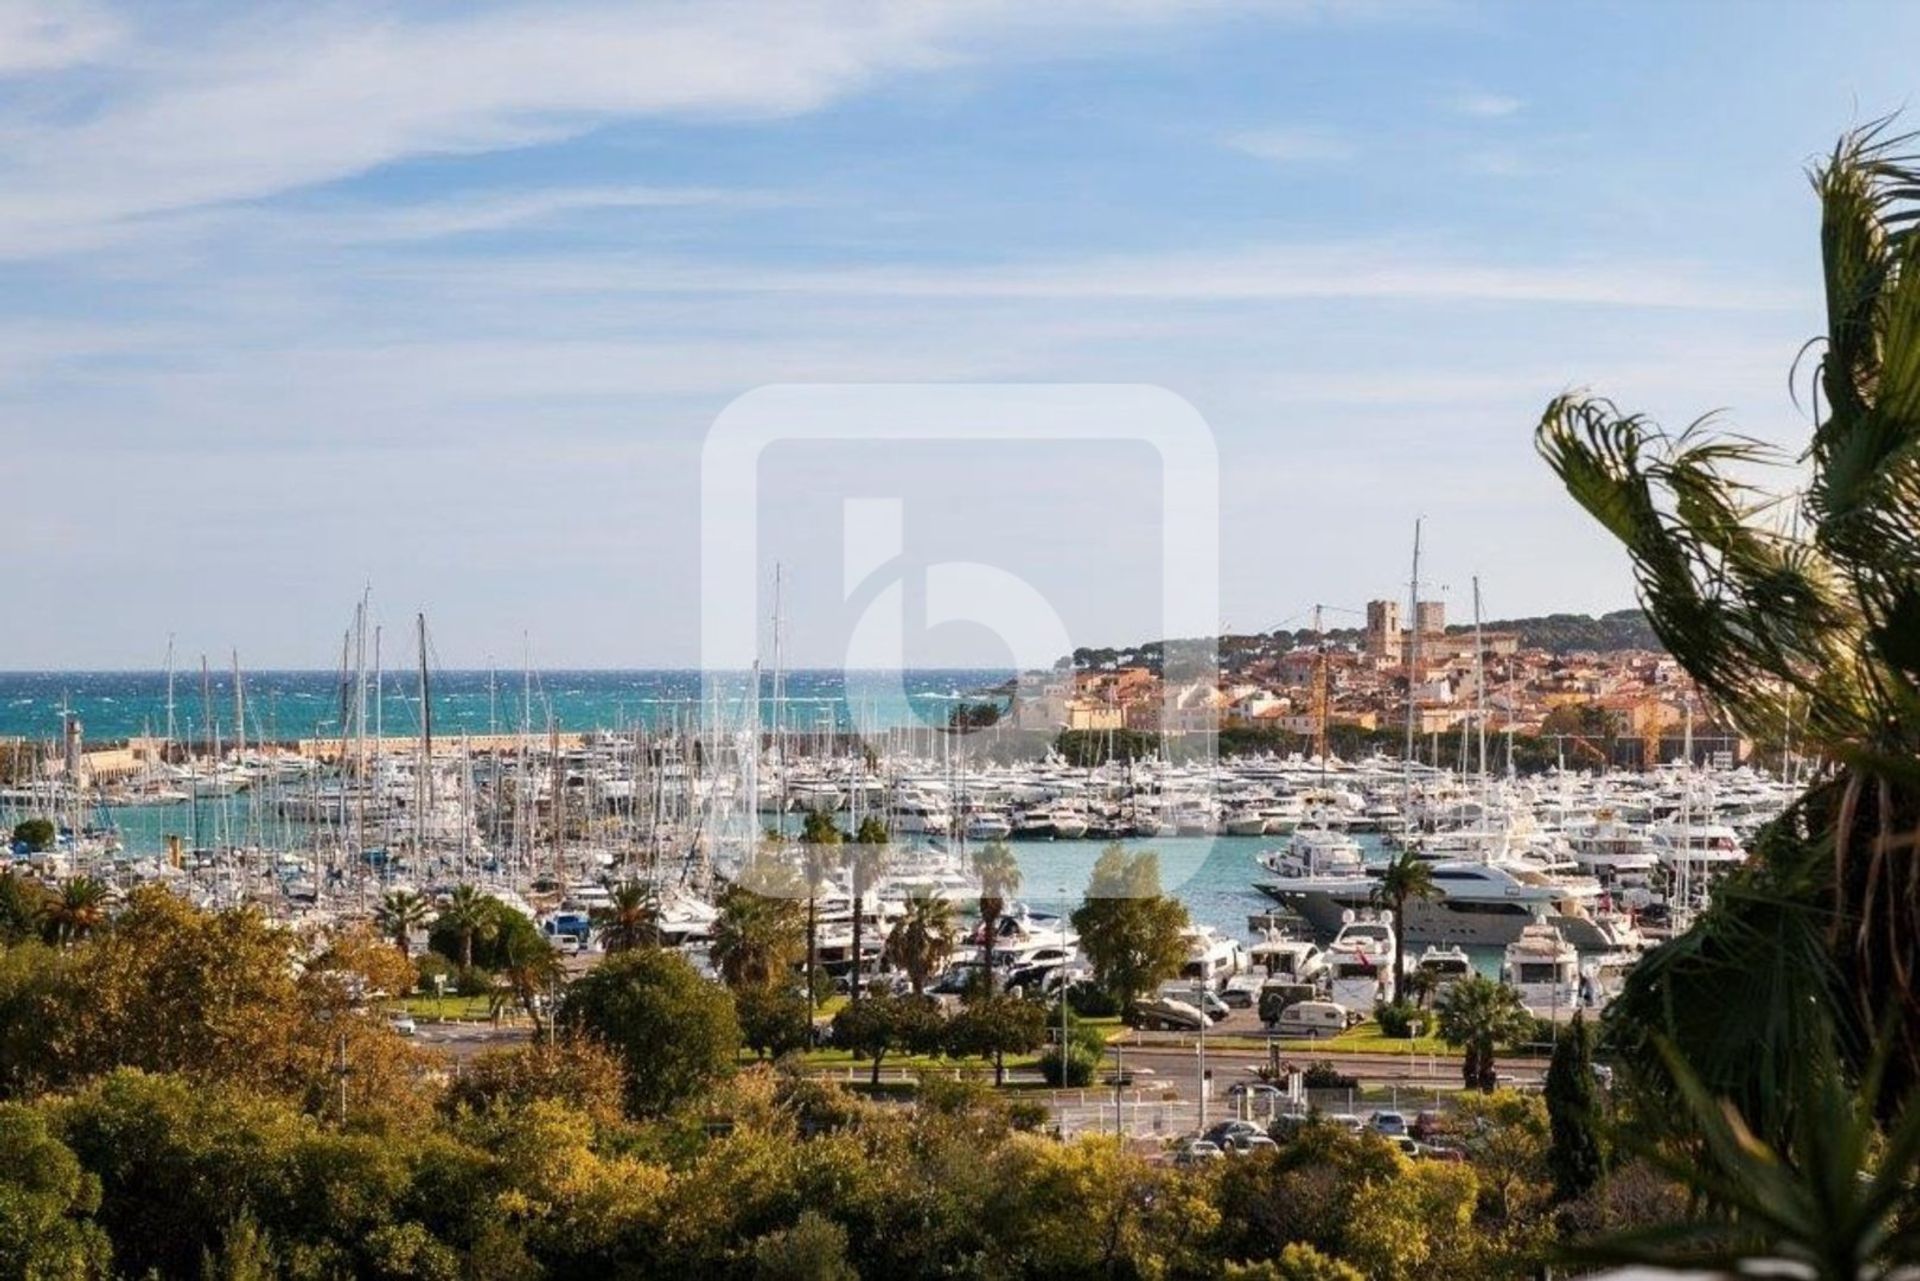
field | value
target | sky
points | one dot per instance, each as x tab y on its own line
442	300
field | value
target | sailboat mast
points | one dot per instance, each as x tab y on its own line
1413	669
1479	680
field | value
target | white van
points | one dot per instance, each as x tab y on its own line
1312	1020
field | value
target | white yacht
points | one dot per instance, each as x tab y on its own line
1297	960
1543	967
1360	962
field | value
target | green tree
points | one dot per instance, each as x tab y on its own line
1131	933
921	940
882	1024
995	1026
1798	614
757	938
676	1032
1573	1112
999	874
633	921
813	1249
23	908
1481	1015
37	834
47	1201
470	915
865	861
400	913
774	1019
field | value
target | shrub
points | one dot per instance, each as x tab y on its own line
1325	1076
1401	1020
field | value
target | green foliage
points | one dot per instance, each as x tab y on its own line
1129	931
46	1200
37	834
774	1019
1481	1015
921	940
482	928
1400	1020
757	938
993	1027
813	1249
23	908
882	1024
1573	1111
676	1033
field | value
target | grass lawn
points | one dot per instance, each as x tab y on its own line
447	1007
1367	1038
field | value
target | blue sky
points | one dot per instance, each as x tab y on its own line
444	297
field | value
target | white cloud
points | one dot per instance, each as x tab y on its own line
1485	105
1259	273
498	211
291	97
1292	145
36	36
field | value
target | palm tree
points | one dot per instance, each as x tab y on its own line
1481	1015
1798	614
865	861
532	972
401	912
999	873
755	937
78	909
819	837
921	939
472	915
634	921
1406	877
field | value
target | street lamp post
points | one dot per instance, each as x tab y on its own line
1200	1046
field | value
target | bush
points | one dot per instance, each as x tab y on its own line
1401	1020
1325	1076
1089	1001
432	966
1028	1114
1080	1067
37	834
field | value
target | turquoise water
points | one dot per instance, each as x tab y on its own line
288	705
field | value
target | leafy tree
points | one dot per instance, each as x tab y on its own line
23	908
921	940
881	1024
1407	876
757	938
46	1204
774	1019
676	1032
1131	933
999	873
634	920
1096	1208
529	967
1793	611
1417	1224
37	834
78	909
1297	1262
578	1072
468	915
1573	1109
813	1249
994	1027
400	913
1481	1015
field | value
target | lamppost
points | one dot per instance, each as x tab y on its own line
1063	987
1200	1044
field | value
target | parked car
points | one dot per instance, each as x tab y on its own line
1197	1152
1391	1124
1428	1126
1204	998
1242	991
1348	1120
1248	1144
1227	1131
1256	1090
403	1024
